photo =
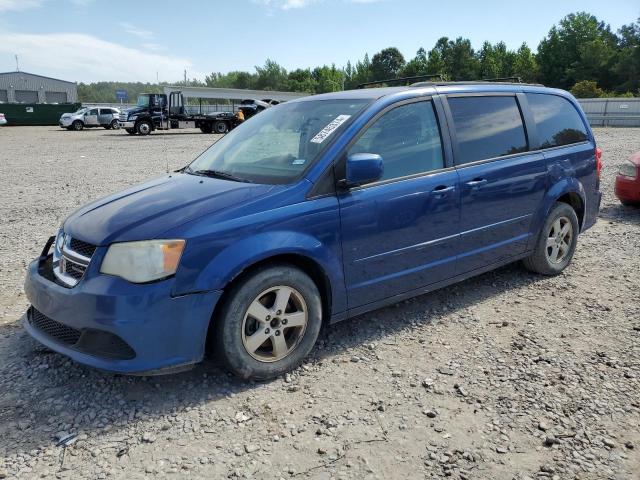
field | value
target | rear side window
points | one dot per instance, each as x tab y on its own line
557	120
487	127
407	138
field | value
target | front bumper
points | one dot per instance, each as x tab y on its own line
126	124
165	332
64	123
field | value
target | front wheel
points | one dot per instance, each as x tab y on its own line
114	125
77	125
130	131
269	323
143	127
556	243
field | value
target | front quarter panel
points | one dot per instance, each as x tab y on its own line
219	251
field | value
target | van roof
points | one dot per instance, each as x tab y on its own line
426	88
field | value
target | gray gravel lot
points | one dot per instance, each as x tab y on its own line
506	376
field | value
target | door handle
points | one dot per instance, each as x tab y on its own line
476	183
442	190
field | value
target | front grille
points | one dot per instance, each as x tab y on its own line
83	248
97	343
74	270
56	330
72	260
123	117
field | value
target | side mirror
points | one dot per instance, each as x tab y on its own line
363	168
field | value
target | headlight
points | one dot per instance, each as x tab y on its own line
628	169
145	261
132	117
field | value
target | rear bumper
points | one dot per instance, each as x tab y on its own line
627	189
164	332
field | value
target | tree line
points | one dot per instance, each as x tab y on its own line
580	53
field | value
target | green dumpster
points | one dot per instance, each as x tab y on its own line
36	113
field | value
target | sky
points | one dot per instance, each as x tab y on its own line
117	40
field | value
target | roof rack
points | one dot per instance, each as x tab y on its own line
401	81
475	82
503	79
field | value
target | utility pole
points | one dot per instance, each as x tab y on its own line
185	77
17	64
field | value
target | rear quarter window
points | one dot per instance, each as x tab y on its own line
487	127
557	120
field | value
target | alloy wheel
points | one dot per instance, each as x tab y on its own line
559	240
274	324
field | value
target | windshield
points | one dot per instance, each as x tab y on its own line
143	101
80	110
278	144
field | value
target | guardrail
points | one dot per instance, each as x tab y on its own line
612	112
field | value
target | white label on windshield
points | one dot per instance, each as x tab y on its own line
328	130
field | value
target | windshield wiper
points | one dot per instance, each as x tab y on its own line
217	174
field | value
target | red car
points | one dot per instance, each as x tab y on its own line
628	181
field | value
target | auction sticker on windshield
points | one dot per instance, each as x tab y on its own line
329	129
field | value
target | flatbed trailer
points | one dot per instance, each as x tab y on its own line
166	111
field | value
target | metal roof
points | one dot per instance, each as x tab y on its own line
233	93
20	72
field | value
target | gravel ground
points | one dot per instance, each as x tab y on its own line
505	376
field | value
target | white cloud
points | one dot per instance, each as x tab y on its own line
81	57
293	4
16	5
285	4
138	32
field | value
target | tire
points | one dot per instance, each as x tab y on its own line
114	125
556	242
206	128
130	131
143	127
77	125
629	203
220	127
235	327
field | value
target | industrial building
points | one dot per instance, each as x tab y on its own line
22	87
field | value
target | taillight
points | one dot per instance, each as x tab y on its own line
598	161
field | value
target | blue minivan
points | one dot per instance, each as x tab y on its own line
312	212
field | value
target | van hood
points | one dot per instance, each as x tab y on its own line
147	210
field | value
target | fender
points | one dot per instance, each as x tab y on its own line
561	187
240	255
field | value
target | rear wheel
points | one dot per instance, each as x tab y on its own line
269	323
206	128
220	127
130	131
143	127
77	125
556	243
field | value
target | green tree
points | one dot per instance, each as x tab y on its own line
460	60
417	65
587	89
301	80
579	48
525	65
271	76
387	63
626	66
328	79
